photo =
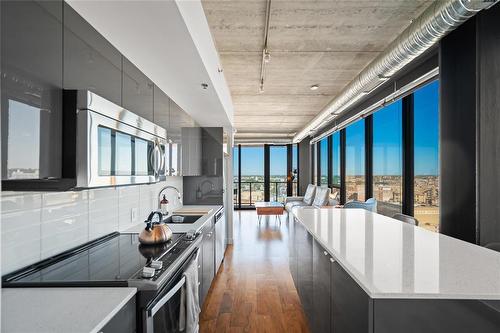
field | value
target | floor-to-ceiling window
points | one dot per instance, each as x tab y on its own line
388	158
323	158
355	161
426	156
295	168
278	173
236	174
314	161
252	175
336	165
389	127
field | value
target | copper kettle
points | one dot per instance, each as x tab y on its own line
155	232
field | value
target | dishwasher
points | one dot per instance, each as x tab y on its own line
220	238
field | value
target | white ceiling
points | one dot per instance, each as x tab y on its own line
311	42
170	42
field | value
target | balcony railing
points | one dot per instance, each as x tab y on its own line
252	192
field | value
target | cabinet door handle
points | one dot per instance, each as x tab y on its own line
325	253
332	260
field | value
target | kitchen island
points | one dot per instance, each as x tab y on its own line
358	271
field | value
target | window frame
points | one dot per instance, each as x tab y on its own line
408	177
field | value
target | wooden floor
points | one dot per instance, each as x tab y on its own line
253	290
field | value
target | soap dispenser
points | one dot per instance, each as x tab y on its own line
164	206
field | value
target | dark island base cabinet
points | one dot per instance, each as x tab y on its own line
334	302
304	283
350	306
292	250
436	315
322	280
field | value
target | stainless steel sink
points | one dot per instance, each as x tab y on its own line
182	219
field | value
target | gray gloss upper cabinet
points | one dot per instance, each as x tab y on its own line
137	91
212	151
31	95
90	61
178	120
191	138
161	108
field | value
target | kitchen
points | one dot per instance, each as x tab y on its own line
314	190
90	148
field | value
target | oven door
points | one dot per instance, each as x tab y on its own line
111	152
163	313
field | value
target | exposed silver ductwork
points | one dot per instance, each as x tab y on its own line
424	32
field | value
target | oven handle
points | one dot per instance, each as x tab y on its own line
167	297
171	292
155	158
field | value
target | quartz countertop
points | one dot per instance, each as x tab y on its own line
61	309
185	227
391	259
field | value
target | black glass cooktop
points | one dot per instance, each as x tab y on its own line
112	259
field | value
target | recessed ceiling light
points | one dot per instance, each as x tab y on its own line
314	87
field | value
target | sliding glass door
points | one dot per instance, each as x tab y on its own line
252	175
257	179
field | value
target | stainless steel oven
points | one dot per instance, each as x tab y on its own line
115	146
162	314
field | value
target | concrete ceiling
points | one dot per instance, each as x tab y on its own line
311	42
170	42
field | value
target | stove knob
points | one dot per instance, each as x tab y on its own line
156	264
148	272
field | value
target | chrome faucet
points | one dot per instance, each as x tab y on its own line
166	188
212	186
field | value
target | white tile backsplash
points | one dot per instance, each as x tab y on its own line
147	202
129	198
35	226
20	230
65	221
103	212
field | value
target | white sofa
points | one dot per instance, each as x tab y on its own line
315	196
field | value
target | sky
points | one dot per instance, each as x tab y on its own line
387	139
24	136
252	160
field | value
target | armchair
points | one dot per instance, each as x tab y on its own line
370	205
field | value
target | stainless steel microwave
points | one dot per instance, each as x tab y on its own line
115	146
